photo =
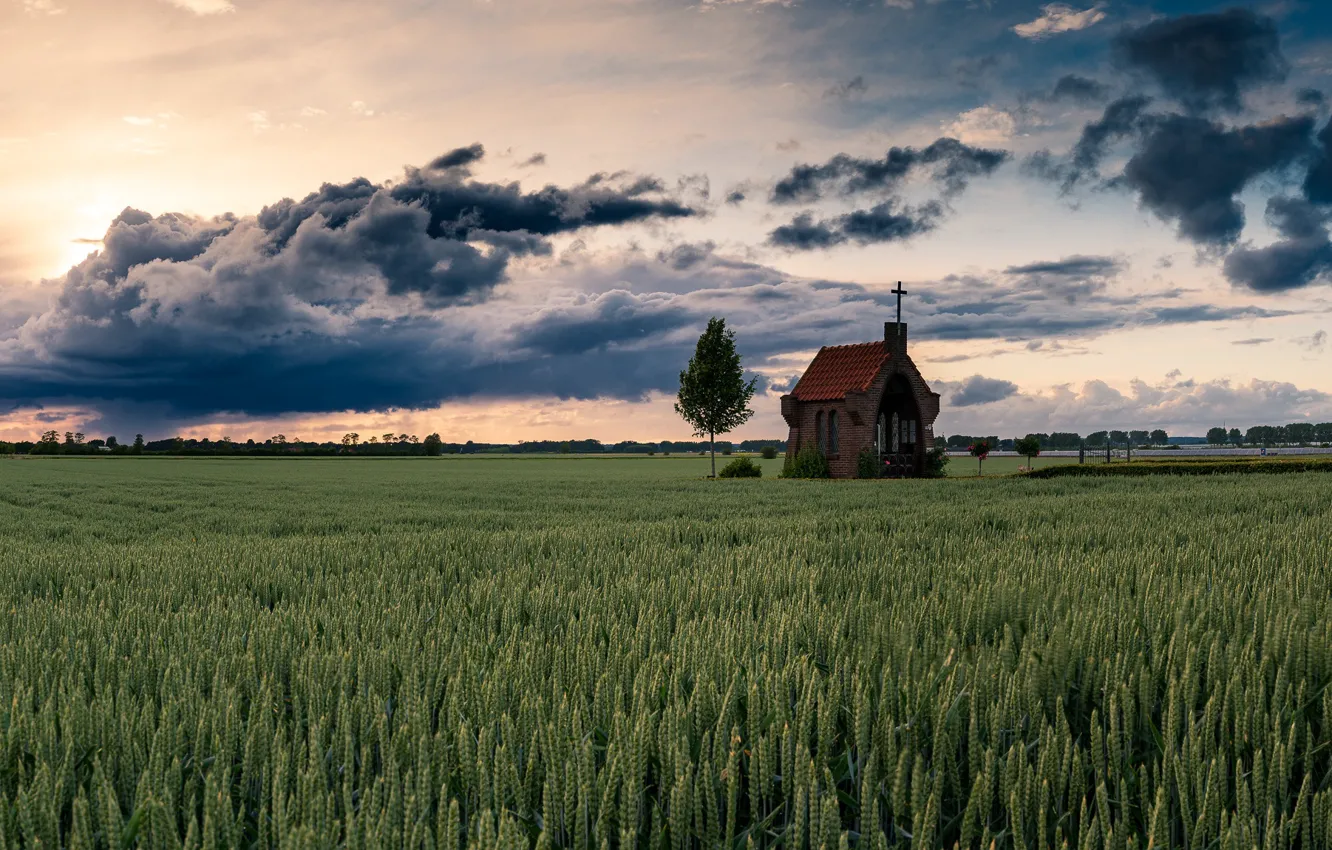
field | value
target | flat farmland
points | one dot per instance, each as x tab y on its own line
613	653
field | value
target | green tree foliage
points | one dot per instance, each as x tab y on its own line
1235	437
714	396
137	448
1028	446
433	444
1062	440
1216	436
1159	437
769	452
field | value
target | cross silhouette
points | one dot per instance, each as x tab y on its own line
899	292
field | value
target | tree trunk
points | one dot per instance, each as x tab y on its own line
712	446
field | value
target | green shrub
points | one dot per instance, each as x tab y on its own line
809	462
769	452
741	467
726	450
936	462
867	463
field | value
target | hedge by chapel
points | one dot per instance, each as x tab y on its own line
867	395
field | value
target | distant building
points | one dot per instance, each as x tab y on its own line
865	395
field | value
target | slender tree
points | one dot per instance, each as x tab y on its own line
714	396
980	450
1029	447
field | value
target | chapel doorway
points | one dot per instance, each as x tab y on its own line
897	434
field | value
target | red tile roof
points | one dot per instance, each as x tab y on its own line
840	369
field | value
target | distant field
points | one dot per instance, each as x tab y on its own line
574	654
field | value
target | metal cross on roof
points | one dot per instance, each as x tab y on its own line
899	292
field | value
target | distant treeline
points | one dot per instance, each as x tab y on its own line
52	443
1300	433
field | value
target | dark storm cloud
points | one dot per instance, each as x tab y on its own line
239	331
1077	266
686	255
951	164
981	390
329	303
885	222
1310	97
1301	257
1303	254
1206	61
462	209
135	238
458	158
533	160
1318	181
1077	89
853	87
1071	278
1121	119
1189	170
615	318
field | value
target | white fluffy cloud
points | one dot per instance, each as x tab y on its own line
984	125
1060	17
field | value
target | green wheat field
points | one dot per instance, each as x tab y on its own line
455	653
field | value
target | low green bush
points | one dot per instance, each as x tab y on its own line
936	462
741	467
867	463
769	452
809	462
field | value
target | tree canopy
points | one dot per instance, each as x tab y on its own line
714	395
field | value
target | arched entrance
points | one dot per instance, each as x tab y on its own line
898	432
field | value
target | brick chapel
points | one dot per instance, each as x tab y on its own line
864	395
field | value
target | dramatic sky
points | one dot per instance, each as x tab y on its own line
511	219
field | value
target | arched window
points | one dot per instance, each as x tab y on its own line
820	436
832	433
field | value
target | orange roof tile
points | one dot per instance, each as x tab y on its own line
840	369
